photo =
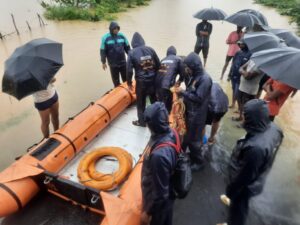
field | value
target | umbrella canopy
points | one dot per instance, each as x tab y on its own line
31	67
258	41
258	14
281	64
210	14
243	19
289	37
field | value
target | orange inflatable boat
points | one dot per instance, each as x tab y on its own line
52	164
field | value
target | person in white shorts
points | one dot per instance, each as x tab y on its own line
46	102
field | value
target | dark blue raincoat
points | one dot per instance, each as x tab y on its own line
158	167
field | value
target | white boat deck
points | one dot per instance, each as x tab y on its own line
120	133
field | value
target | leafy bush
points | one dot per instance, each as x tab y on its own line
92	10
287	7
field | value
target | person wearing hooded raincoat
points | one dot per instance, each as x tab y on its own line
196	99
145	62
158	166
114	45
166	78
251	159
217	108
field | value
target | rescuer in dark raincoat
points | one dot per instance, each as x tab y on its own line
217	108
114	45
196	99
166	78
145	63
158	166
251	159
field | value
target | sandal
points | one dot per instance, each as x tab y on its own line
137	123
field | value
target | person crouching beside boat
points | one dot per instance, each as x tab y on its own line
251	159
196	99
46	102
145	63
158	167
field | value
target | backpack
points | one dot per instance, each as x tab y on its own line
182	177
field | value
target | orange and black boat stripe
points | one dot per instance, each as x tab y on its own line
106	110
12	194
130	94
68	139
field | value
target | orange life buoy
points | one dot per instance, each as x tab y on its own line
89	176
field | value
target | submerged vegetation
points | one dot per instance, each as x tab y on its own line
91	10
285	7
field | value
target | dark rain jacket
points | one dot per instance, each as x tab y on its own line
197	94
142	59
113	47
240	58
218	102
253	156
203	41
159	164
169	69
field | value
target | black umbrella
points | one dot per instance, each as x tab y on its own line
210	14
243	19
289	37
281	64
258	14
258	41
31	67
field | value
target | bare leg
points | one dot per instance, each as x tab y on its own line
224	69
45	117
214	130
54	111
205	60
233	101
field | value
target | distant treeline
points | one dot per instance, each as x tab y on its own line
285	7
91	10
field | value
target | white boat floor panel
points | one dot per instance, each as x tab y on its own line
120	133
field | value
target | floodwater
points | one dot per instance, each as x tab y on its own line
82	80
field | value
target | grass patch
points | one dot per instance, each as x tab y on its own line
90	10
285	7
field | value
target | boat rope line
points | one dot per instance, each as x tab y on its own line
12	194
130	94
68	139
106	110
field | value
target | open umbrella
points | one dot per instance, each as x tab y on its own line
258	41
281	64
258	14
31	67
210	14
243	19
289	37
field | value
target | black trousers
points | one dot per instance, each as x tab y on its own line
116	72
204	50
166	96
163	218
238	210
192	140
144	89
